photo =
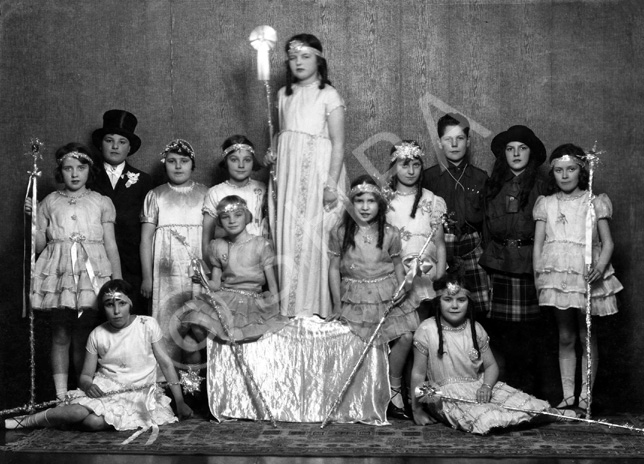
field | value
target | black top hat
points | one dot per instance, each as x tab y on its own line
119	122
521	134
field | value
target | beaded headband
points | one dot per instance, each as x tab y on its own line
113	295
575	159
365	187
238	147
406	151
232	207
75	155
452	289
177	145
295	46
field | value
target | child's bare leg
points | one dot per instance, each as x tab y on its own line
567	326
94	423
594	353
191	347
70	414
397	357
60	343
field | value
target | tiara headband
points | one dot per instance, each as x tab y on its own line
572	158
232	207
452	289
114	295
295	46
406	151
365	187
75	155
177	145
238	147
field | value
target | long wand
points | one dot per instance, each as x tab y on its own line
414	267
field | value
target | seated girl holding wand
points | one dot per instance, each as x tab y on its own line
366	270
242	264
452	352
121	353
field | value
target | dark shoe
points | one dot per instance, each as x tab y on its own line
394	412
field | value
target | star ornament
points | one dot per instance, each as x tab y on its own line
190	381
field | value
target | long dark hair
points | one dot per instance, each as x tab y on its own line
232	140
310	41
394	179
350	225
441	284
500	173
571	150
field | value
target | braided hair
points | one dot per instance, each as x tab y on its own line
394	179
349	223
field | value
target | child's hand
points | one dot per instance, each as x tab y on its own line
94	391
329	199
484	394
183	411
596	273
146	288
270	157
28	206
421	417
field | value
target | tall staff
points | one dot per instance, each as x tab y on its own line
32	187
263	39
591	160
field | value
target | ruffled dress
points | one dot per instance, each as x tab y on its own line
174	211
125	360
247	312
414	233
74	265
255	195
368	286
560	277
459	374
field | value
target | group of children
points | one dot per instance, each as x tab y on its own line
497	251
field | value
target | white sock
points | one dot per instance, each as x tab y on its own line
396	395
60	382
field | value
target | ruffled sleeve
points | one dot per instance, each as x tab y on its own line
395	248
603	206
267	253
108	212
210	202
150	211
333	100
539	210
335	246
482	338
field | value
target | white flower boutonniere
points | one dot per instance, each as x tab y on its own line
132	178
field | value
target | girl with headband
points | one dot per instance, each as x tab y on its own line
78	254
170	211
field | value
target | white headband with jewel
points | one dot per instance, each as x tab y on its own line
238	147
231	207
365	187
452	289
406	151
295	46
75	155
565	158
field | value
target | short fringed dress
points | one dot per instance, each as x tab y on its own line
178	210
414	233
125	360
368	286
248	312
560	277
254	192
74	265
302	224
459	374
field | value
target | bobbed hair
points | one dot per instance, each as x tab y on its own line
571	150
80	148
350	225
313	42
115	285
230	141
230	200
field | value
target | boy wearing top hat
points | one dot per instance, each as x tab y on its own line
127	187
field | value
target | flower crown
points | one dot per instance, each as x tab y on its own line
295	46
238	147
232	207
406	151
75	155
175	146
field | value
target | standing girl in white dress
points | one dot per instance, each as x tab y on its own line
309	176
559	264
416	211
171	209
239	162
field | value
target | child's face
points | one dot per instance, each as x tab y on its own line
454	308
178	167
408	171
566	175
115	149
304	65
117	311
234	222
517	154
366	206
240	165
454	143
75	174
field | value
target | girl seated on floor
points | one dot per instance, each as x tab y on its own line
121	353
452	352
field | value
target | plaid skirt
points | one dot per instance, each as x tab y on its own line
464	254
514	297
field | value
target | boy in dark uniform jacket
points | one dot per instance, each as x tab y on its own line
127	187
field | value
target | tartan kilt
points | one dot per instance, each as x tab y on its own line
514	297
463	253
